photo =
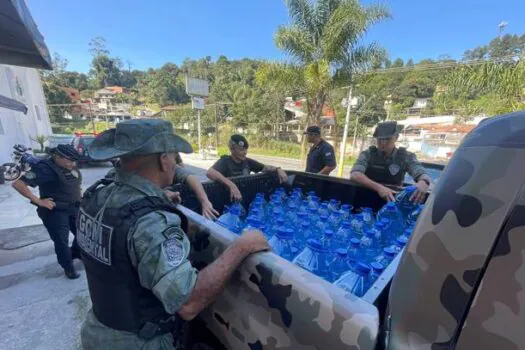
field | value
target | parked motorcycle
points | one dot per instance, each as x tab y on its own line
22	162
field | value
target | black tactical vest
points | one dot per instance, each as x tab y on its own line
387	170
119	300
65	188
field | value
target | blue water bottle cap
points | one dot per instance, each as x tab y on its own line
235	209
314	244
324	205
329	233
311	193
367	210
369	233
313	210
363	268
346	224
323	217
252	221
408	232
385	221
284	233
280	221
342	253
377	267
402	240
389	251
380	225
391	206
355	243
305	224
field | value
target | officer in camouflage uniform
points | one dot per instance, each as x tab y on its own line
59	183
387	165
134	247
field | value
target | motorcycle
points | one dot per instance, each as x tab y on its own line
22	162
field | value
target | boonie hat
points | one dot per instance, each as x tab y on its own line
313	129
239	140
138	137
386	130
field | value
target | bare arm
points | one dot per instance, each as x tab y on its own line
25	191
214	175
207	207
326	170
212	280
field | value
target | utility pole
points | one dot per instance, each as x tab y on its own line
92	119
216	127
199	129
345	132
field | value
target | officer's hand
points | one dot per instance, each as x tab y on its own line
208	211
235	194
47	203
173	196
282	175
253	241
419	194
387	194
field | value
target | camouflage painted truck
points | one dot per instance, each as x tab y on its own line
458	283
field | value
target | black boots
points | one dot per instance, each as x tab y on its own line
71	273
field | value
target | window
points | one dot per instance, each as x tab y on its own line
37	111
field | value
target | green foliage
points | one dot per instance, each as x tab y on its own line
41	140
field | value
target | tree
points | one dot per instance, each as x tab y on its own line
98	46
324	42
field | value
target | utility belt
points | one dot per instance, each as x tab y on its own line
174	325
63	205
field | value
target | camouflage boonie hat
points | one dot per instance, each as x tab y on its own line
137	137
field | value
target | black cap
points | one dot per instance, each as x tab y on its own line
66	151
314	129
239	140
386	130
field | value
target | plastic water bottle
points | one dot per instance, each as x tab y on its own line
322	223
403	202
231	219
323	209
346	211
413	216
339	264
400	243
291	214
313	216
242	211
368	216
252	222
313	258
376	271
328	242
358	225
396	221
333	205
369	246
343	235
334	220
279	222
282	243
355	281
258	212
386	257
301	217
313	202
305	231
353	251
377	232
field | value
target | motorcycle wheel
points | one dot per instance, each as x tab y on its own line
11	172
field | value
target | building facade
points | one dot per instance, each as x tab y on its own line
24	85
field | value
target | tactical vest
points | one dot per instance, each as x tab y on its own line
386	170
119	300
66	187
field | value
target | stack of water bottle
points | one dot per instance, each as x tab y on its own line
347	246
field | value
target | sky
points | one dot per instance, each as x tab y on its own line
151	33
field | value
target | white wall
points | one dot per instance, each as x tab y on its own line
24	85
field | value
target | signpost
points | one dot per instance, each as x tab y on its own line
197	89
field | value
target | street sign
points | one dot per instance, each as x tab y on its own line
196	87
197	102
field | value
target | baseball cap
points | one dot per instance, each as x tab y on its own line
239	140
386	130
66	151
313	129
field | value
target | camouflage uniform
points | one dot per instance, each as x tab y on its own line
180	175
172	285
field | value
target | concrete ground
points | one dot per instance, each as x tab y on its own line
40	307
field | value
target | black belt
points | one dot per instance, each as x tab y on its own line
172	325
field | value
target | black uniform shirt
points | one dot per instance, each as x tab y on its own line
320	156
39	174
228	167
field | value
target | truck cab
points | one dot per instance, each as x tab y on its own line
457	284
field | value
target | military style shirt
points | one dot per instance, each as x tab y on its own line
181	174
229	168
320	156
170	281
395	166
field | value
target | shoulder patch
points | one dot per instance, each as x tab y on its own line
173	251
30	175
328	154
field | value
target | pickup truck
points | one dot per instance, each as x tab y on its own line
457	284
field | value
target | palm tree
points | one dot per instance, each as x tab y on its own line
324	41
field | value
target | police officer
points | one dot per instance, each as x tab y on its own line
183	176
135	249
321	157
59	183
387	165
238	164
